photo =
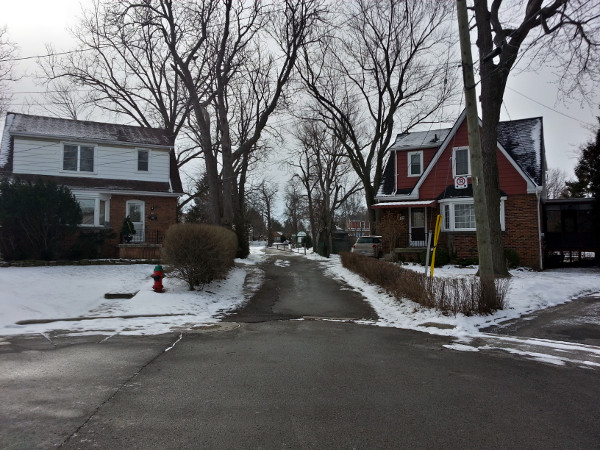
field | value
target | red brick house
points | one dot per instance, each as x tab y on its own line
113	170
358	227
428	173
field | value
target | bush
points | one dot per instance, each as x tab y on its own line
459	295
199	253
513	260
35	219
442	257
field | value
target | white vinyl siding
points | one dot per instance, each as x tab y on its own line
46	157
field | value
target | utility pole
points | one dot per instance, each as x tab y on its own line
484	241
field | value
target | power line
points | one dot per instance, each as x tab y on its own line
548	107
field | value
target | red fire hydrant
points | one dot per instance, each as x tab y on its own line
158	275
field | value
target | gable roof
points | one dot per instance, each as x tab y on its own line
521	140
52	127
24	125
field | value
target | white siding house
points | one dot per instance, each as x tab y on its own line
113	170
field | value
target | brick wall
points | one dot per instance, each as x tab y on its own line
521	233
165	211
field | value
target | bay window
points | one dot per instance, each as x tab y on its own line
459	214
94	209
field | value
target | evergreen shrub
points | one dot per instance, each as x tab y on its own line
36	218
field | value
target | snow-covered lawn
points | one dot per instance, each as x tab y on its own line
49	293
529	291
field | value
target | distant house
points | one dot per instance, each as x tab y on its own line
429	173
113	170
358	227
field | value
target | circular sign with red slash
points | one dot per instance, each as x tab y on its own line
460	182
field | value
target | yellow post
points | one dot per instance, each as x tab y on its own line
438	227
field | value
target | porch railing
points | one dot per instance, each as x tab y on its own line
143	237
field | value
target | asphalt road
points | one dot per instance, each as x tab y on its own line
268	380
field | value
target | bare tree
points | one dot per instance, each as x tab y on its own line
8	52
559	34
262	198
295	205
214	47
556	183
325	168
124	65
382	61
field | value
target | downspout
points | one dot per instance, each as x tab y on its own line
540	234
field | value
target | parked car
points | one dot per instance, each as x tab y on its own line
368	246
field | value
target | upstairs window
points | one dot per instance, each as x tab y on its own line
78	158
143	160
415	164
462	162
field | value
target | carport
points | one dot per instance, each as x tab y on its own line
569	231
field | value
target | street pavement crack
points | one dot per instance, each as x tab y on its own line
119	389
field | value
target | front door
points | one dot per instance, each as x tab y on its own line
136	212
417	227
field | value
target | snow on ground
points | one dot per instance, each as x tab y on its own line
529	291
33	293
67	292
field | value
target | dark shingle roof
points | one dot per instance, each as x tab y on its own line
52	127
524	142
522	139
420	139
100	183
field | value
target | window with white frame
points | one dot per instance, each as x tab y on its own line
95	211
143	160
461	162
459	215
78	158
415	164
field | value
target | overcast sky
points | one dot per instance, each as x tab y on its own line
33	23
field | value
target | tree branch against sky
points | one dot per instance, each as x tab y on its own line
213	46
8	51
124	65
561	35
382	68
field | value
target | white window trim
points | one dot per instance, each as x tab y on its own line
138	150
78	171
454	162
465	201
97	198
408	155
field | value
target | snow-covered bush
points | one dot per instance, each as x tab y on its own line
199	253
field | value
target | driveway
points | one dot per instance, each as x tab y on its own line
284	373
577	321
295	288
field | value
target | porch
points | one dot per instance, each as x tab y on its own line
141	245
